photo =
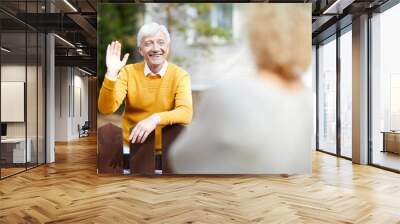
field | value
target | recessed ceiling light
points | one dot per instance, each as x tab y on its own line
337	7
5	50
65	41
84	71
70	5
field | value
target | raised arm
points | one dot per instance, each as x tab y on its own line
114	88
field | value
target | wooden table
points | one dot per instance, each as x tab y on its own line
13	150
391	141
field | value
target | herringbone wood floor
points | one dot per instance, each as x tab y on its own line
70	191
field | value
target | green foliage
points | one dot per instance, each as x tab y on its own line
205	32
117	22
201	23
205	29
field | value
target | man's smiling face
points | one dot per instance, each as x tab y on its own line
154	49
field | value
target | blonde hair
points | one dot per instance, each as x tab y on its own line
280	38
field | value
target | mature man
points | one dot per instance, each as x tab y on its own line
155	91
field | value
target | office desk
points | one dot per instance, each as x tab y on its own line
13	150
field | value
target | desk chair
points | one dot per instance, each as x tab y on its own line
84	129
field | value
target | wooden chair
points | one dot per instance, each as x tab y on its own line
144	158
153	153
109	149
169	135
83	130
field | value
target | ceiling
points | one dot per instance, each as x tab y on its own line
74	21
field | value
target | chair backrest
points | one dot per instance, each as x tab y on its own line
109	149
169	135
142	156
86	125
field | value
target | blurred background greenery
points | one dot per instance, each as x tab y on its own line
117	22
190	21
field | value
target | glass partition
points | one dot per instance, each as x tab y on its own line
385	89
346	93
13	103
22	89
327	96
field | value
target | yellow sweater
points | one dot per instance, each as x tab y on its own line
170	96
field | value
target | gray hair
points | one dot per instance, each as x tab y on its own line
150	29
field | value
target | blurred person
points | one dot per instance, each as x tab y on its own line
155	91
263	124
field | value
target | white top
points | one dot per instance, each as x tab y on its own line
162	72
247	126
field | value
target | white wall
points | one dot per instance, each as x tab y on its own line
61	111
17	73
14	73
34	124
80	100
71	93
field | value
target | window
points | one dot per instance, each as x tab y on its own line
385	88
212	25
327	96
346	93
